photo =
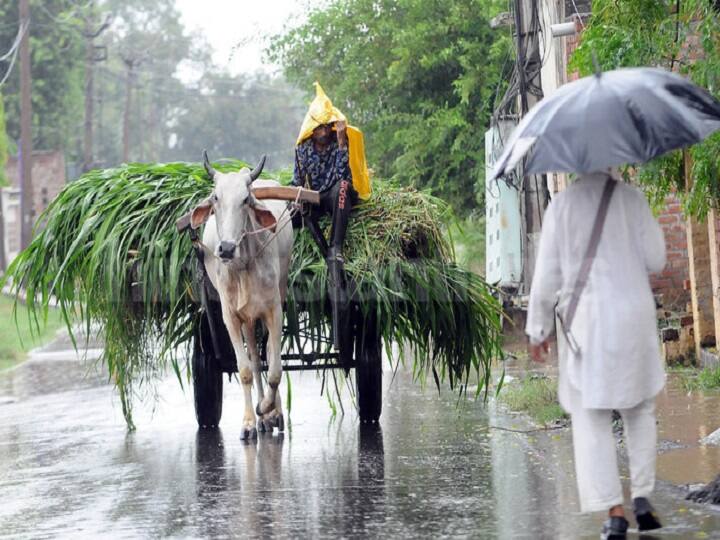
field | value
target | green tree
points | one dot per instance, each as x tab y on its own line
56	49
418	76
243	118
146	42
652	33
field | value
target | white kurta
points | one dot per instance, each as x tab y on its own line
615	325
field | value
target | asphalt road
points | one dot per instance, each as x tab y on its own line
433	468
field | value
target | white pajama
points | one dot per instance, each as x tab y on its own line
595	450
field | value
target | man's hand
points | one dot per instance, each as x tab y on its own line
538	352
341	129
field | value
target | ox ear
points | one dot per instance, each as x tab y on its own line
201	213
265	217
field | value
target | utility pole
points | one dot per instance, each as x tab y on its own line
130	65
90	33
3	262
26	188
535	195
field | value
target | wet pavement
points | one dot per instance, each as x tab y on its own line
433	468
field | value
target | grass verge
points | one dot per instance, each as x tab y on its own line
703	379
535	396
17	339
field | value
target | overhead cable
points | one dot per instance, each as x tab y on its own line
14	52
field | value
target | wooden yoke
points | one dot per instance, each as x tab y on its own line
287	193
283	193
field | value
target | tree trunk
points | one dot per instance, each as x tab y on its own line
142	124
89	95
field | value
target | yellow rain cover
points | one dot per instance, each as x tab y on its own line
321	111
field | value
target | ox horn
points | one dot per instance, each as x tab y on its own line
257	170
208	167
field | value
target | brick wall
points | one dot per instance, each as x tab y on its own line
670	284
572	42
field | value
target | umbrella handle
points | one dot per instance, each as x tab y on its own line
596	64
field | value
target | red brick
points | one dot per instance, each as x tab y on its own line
675	244
666	219
661	284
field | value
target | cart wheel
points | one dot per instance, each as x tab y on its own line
207	379
368	370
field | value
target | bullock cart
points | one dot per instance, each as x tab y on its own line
332	328
110	255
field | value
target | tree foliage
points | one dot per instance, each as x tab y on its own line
56	56
418	76
652	33
180	102
249	117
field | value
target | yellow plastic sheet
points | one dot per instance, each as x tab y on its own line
321	112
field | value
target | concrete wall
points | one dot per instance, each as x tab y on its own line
11	213
48	177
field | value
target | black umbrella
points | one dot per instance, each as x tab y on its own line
610	119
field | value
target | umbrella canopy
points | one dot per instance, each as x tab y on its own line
624	116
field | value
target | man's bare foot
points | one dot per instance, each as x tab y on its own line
617	511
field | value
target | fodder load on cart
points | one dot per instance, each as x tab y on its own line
108	251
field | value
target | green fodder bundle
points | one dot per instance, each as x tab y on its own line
108	252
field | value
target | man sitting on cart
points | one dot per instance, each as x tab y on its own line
330	158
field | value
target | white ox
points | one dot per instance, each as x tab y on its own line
248	246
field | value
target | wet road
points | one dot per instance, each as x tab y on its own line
431	469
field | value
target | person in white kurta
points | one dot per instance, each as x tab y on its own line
615	328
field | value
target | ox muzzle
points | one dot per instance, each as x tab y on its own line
226	250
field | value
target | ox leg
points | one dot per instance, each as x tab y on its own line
271	405
249	333
234	326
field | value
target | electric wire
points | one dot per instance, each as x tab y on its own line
14	51
16	42
578	14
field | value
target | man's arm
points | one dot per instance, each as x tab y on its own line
342	159
547	280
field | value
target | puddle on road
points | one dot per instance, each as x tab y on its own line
684	419
40	377
433	469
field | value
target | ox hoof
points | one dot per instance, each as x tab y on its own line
248	434
268	423
263	412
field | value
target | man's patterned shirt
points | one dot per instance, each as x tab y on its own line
322	169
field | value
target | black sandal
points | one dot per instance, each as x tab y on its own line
615	528
645	515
